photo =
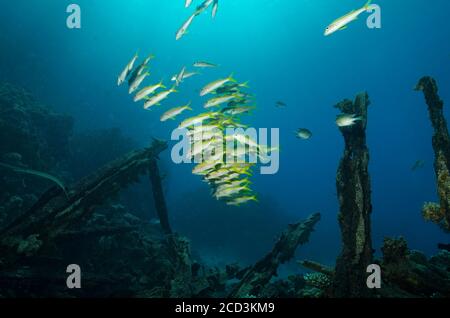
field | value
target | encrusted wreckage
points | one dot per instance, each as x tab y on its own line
354	193
259	275
438	213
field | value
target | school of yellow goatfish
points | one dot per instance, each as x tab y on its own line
227	100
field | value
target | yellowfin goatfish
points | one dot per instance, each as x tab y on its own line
346	120
205	5
197	120
126	71
219	101
185	76
143	93
215	85
231	191
183	30
137	82
215	8
199	148
180	77
239	201
139	70
158	98
342	23
174	112
204	167
204	64
238	110
243	139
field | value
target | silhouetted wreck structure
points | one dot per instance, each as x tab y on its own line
354	193
53	214
258	276
438	213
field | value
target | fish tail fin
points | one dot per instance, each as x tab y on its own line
245	84
188	106
367	5
231	78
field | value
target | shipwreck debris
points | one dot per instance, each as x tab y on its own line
438	213
158	195
53	214
409	273
259	275
317	267
353	188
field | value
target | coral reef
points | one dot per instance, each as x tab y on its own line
318	280
32	137
353	188
409	273
31	131
441	146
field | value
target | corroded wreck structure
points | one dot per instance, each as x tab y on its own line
438	213
354	193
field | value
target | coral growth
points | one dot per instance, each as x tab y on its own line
318	280
441	146
409	273
354	193
433	212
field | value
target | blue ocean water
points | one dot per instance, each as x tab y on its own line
279	47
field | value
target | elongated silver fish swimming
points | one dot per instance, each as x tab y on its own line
183	30
203	7
211	87
197	119
215	8
219	101
137	82
155	100
146	91
180	76
174	112
204	65
127	70
185	76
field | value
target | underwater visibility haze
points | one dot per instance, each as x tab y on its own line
354	103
